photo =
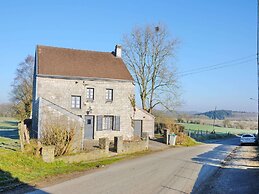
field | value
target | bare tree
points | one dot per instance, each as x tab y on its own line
6	110
21	94
147	51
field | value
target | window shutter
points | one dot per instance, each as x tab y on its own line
117	123
114	124
99	123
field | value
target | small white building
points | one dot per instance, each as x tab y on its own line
143	122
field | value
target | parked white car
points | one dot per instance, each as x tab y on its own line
248	139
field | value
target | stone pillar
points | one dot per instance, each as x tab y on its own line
48	153
118	144
104	144
172	139
145	136
166	136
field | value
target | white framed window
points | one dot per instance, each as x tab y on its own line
90	93
76	102
109	95
108	122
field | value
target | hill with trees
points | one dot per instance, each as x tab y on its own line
217	114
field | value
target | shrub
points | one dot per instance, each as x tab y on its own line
33	148
61	136
227	123
240	125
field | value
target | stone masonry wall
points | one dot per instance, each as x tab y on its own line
59	91
51	116
135	146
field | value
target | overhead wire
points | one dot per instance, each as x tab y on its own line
234	62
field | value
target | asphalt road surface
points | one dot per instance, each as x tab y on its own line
238	175
177	170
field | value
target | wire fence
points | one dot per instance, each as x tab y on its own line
202	135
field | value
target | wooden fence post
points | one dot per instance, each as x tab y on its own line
20	129
23	135
26	134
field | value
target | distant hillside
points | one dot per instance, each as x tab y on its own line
229	114
218	114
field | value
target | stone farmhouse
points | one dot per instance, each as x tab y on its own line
89	89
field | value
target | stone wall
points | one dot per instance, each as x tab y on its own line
48	153
100	151
80	157
134	146
131	146
59	92
51	116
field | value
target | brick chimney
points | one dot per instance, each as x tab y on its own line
118	51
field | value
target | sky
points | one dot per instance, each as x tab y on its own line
210	33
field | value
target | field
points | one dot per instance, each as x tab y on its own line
217	129
8	123
8	127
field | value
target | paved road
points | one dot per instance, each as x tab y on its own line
239	174
179	170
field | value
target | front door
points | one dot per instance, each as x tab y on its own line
138	128
89	127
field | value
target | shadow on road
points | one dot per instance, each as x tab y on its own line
234	140
218	176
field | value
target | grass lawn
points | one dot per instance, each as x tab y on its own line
190	142
8	123
31	169
9	127
217	129
9	144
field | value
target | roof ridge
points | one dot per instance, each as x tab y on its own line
84	63
144	111
73	49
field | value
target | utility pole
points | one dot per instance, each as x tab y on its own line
257	57
215	115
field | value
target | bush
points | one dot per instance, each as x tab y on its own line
185	140
33	148
62	137
195	122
